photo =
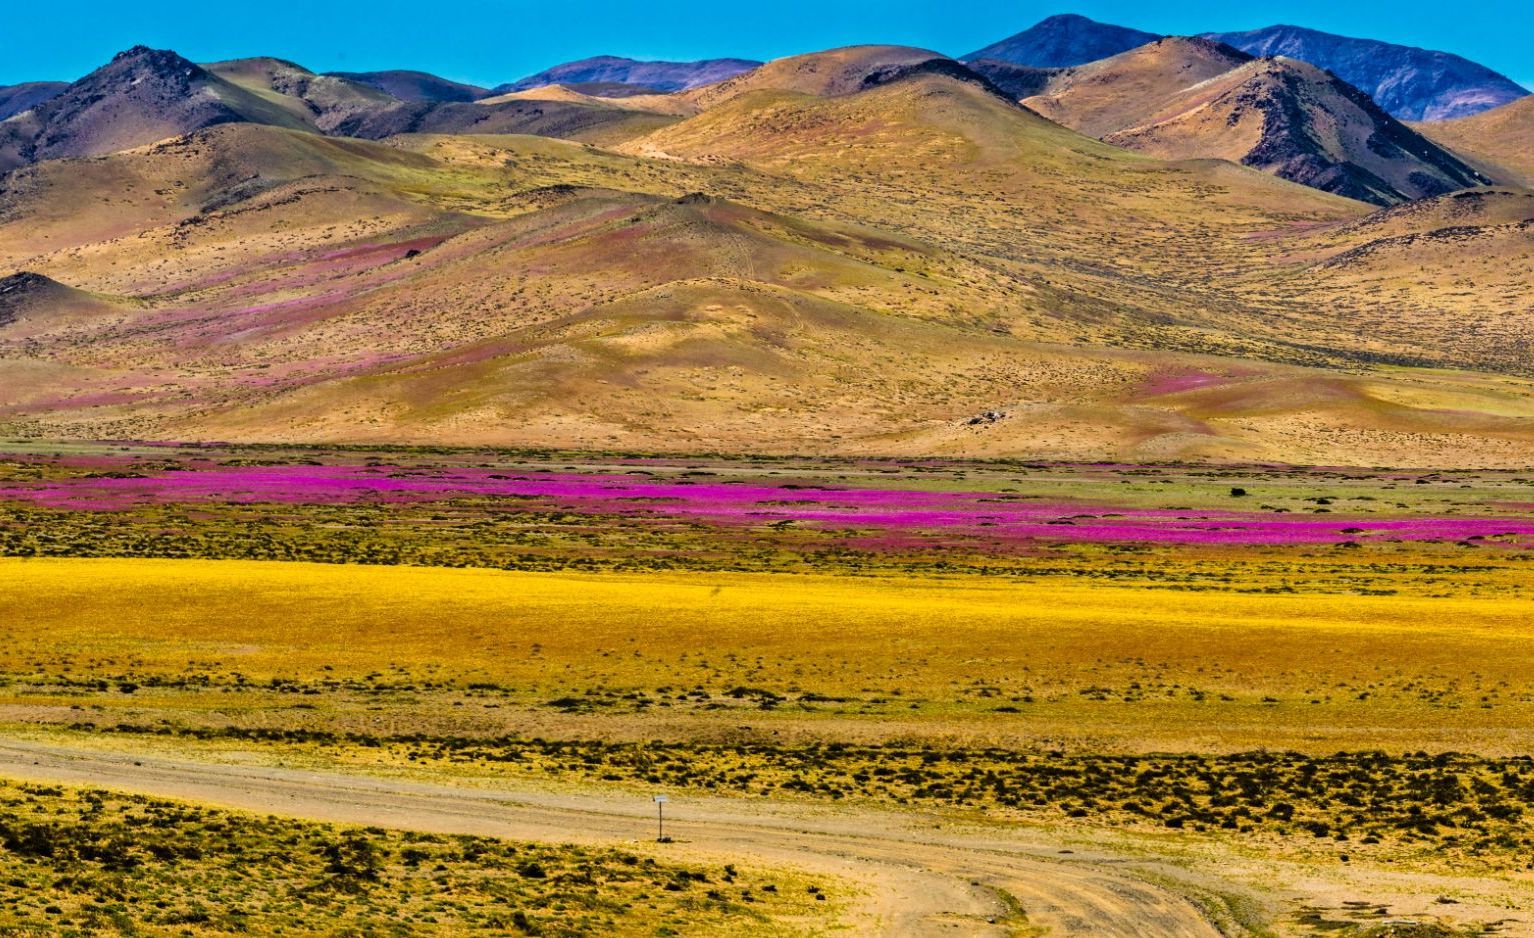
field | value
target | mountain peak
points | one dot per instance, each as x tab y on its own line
1065	19
154	58
141	96
1063	41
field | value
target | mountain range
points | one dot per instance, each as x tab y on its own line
1176	98
144	95
1409	83
654	76
851	251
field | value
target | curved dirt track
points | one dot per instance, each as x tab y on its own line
919	874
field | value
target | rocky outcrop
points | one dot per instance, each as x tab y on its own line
1409	83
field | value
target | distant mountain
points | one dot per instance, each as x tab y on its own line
419	87
660	76
145	95
1063	41
836	72
605	89
1194	98
1502	138
141	96
874	248
1410	83
321	102
584	120
17	98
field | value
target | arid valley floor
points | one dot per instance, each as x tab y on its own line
1252	698
982	497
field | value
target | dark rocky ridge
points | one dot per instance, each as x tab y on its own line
946	68
1192	98
1017	81
1409	83
1291	148
538	118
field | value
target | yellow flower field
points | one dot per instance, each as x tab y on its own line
1106	667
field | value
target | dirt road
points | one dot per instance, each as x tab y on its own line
918	874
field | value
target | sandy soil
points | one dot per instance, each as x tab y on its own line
914	874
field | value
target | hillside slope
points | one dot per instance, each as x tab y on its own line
1501	138
1193	98
419	87
1409	83
1125	90
320	102
141	96
23	97
910	265
831	73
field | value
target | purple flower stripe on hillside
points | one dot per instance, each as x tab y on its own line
990	516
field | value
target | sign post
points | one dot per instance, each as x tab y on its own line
660	818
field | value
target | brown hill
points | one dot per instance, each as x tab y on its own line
1501	139
27	296
827	74
615	70
322	102
340	106
1114	94
1278	115
1389	278
858	272
409	85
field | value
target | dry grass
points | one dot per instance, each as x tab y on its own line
76	862
878	268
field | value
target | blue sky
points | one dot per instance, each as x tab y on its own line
491	41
